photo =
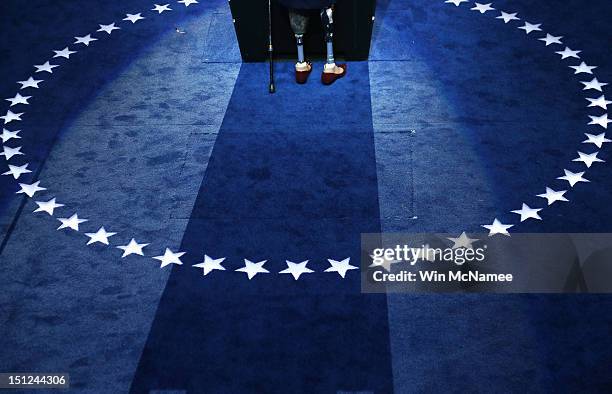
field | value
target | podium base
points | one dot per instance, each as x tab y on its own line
353	24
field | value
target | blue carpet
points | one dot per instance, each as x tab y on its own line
106	132
456	119
473	117
284	181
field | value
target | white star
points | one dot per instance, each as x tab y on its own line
463	241
598	140
72	222
161	8
550	39
600	102
9	152
341	267
48	206
568	53
600	120
386	264
85	40
588	159
189	2
528	213
19	99
17	171
553	196
132	248
573	178
170	257
8	135
529	27
209	264
108	28
100	236
252	269
10	116
296	269
456	2
47	67
498	228
30	83
482	8
594	84
583	68
30	189
65	53
508	17
133	17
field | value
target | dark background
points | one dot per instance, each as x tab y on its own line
352	30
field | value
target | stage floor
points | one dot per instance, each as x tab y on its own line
157	132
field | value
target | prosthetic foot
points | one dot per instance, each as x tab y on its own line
332	74
302	72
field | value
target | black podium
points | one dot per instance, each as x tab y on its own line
353	24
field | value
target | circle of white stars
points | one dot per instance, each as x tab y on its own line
596	126
70	221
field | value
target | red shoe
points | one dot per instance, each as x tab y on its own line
329	78
302	76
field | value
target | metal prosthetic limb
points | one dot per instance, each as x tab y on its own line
299	23
327	18
299	38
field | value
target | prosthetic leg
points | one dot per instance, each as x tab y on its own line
331	71
299	23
